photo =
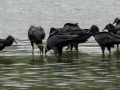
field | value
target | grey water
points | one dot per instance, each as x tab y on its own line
86	69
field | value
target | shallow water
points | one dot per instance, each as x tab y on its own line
83	70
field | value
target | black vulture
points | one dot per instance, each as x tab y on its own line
67	28
35	35
113	29
70	26
6	42
83	36
117	27
117	21
58	41
55	31
104	39
72	29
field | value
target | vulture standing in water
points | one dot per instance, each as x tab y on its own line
58	41
104	39
6	42
36	35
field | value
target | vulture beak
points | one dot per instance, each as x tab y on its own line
113	22
104	29
15	41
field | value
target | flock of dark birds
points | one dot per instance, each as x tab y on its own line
70	35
